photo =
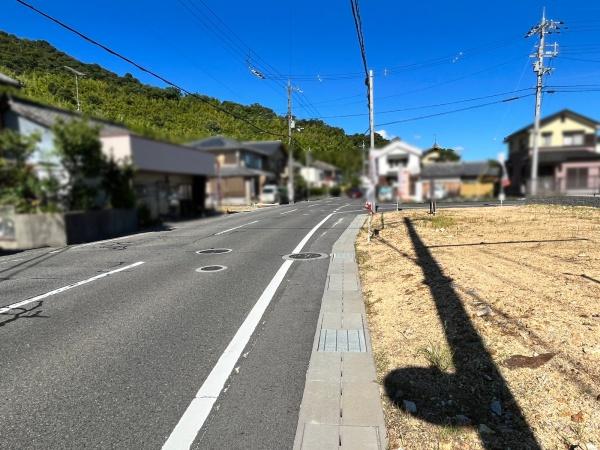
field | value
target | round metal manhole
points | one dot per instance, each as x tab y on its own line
305	256
213	251
214	268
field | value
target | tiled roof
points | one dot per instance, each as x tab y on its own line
224	144
47	115
459	169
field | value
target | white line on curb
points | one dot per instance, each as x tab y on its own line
5	309
234	228
287	212
197	412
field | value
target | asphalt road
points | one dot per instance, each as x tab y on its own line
114	362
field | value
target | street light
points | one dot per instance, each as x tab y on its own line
77	75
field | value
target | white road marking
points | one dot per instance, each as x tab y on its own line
234	228
197	412
66	288
287	212
340	220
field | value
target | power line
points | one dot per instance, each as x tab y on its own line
506	100
144	69
436	105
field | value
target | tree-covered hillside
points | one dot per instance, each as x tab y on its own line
160	113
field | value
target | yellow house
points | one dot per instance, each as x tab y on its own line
569	155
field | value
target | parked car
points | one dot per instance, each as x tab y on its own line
270	194
354	193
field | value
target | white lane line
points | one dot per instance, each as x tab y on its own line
234	228
340	220
287	212
66	288
195	415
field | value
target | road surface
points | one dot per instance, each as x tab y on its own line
105	345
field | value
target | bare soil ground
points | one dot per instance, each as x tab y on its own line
485	325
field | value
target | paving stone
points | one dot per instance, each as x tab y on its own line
361	404
321	403
331	320
320	437
325	367
358	367
359	438
352	320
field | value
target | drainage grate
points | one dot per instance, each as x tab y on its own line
213	251
215	268
305	256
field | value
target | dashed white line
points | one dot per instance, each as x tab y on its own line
287	212
234	228
340	220
198	410
5	309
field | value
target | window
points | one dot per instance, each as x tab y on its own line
577	178
546	139
572	138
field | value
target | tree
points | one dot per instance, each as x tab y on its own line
19	184
78	146
444	154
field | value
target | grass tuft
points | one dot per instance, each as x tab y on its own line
438	356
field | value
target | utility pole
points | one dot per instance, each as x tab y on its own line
372	162
77	75
307	165
542	29
290	149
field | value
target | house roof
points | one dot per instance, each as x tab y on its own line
227	171
225	144
559	156
459	169
324	166
6	80
396	145
47	116
566	112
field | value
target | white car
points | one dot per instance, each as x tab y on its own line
269	194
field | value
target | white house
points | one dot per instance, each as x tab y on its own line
398	165
320	174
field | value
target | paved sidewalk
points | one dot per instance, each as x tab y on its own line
341	406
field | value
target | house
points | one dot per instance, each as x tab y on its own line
169	179
568	159
398	165
474	179
319	174
243	167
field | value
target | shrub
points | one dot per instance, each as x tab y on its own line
335	191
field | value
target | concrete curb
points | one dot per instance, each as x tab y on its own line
341	406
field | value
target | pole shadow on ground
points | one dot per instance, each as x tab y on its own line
476	393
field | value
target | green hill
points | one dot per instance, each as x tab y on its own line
157	112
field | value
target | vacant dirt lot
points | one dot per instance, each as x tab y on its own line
486	326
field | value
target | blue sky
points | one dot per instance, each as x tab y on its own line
458	50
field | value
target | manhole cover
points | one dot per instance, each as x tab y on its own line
305	256
215	268
213	251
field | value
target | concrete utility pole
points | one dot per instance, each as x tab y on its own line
77	75
372	162
290	149
542	29
307	165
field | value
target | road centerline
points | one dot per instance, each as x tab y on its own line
287	212
234	228
186	430
5	309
